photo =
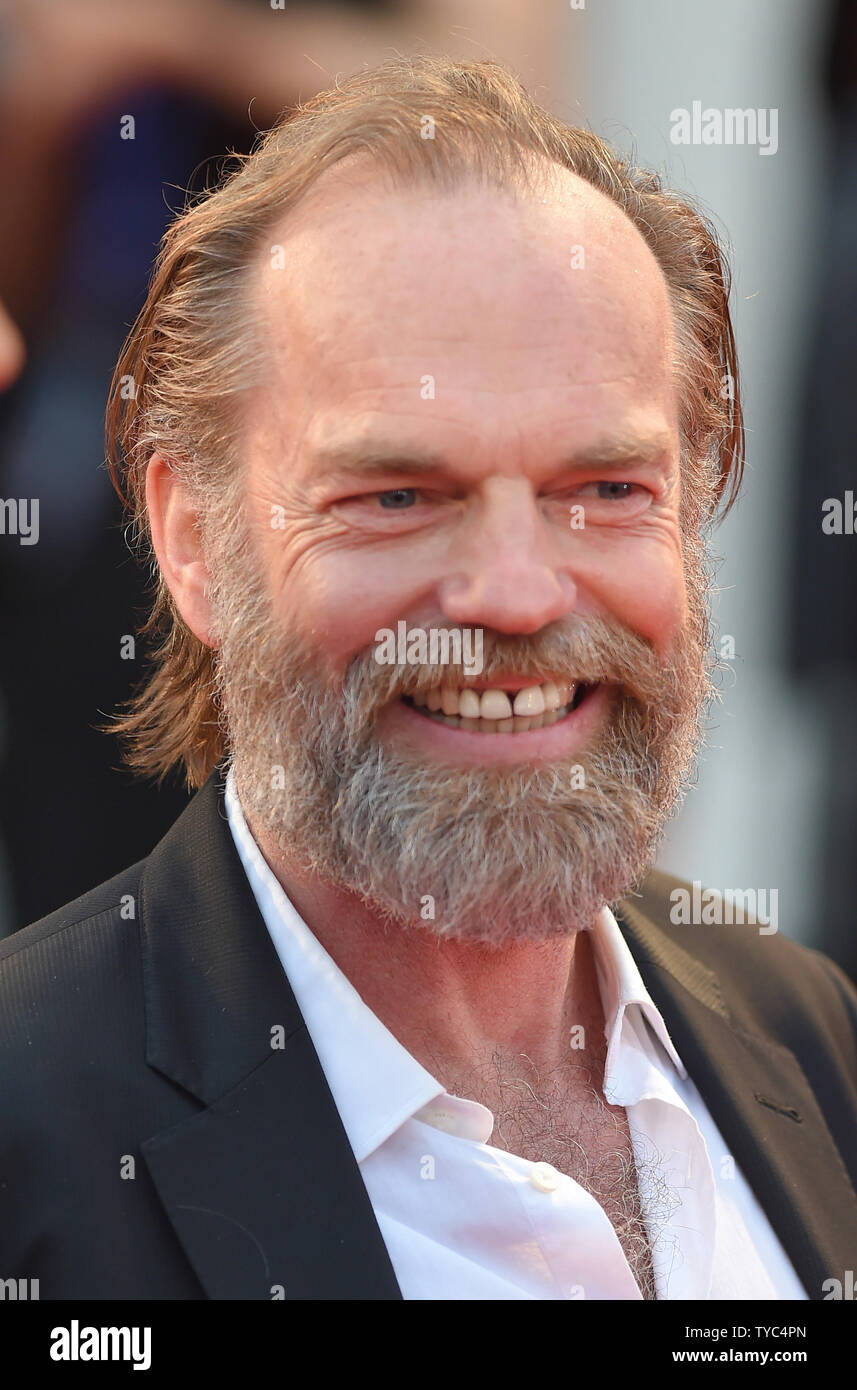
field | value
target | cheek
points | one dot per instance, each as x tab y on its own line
336	597
646	590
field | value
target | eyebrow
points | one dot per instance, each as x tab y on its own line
374	459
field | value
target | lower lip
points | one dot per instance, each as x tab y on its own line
567	736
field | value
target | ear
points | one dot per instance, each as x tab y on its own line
174	524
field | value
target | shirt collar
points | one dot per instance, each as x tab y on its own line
622	989
375	1082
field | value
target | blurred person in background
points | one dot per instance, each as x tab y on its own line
11	350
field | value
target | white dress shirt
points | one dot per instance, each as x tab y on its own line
463	1220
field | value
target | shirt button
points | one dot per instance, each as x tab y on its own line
544	1177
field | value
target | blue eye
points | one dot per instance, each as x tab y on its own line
609	491
398	499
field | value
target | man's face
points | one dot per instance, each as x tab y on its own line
470	423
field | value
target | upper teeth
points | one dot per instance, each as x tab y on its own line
496	704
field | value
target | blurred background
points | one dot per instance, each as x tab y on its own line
110	111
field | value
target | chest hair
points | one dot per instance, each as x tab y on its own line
563	1119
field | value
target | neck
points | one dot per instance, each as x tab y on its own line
454	1005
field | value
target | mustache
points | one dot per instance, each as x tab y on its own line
592	650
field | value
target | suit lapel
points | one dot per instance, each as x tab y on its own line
762	1104
261	1186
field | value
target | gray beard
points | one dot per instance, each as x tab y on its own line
491	855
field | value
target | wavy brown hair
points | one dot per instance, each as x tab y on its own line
193	351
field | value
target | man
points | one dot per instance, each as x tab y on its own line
425	419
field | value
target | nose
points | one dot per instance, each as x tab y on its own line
11	350
507	576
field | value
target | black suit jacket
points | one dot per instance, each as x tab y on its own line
153	1144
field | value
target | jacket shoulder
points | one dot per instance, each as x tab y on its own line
96	900
767	979
58	967
78	1099
722	935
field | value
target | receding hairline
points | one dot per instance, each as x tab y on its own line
368	176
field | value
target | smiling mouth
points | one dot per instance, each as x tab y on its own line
499	711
